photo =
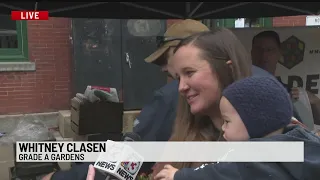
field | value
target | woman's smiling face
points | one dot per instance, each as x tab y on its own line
197	82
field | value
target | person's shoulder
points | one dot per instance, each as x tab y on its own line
170	87
168	92
256	71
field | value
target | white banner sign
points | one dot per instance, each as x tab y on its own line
312	20
305	42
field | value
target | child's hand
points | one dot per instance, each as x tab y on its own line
167	173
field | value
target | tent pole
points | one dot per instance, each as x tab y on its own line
76	7
288	7
195	9
153	10
222	9
11	7
188	9
36	6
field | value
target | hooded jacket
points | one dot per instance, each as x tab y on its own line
308	170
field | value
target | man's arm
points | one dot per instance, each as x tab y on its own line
155	122
156	119
145	123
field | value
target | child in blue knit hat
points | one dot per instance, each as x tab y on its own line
255	107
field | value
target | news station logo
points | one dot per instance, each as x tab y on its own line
29	15
131	167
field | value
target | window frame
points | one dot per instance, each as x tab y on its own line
21	53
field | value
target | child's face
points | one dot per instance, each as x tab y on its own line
233	127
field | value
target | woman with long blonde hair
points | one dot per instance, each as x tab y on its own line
204	63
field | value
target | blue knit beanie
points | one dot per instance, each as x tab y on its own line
263	104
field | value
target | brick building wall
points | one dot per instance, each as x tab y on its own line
49	87
289	21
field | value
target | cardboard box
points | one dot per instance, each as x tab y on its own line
58	137
6	161
128	120
64	121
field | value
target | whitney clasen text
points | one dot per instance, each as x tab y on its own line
61	147
57	151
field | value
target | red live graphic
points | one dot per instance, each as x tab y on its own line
29	15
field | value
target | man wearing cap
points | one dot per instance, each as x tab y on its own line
156	119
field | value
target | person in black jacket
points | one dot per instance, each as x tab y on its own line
256	109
